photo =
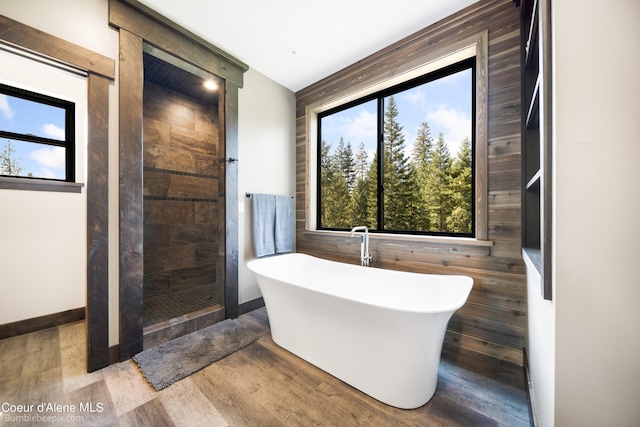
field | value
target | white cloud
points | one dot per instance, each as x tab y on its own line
5	108
54	132
48	173
362	127
416	98
455	124
49	157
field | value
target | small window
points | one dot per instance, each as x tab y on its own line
36	136
402	160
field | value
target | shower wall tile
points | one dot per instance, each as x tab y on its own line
206	253
206	165
206	212
169	158
193	187
192	277
151	262
197	234
156	132
158	106
157	236
195	141
156	184
156	284
176	257
168	212
207	122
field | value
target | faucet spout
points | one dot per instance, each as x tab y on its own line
359	228
365	256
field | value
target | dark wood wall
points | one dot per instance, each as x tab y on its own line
493	321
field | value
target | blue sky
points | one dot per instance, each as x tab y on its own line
444	103
27	117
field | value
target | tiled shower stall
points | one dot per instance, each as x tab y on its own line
182	195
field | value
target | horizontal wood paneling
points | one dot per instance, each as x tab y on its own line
493	322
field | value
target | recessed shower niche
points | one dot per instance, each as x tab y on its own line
183	202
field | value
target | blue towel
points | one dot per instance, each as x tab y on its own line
284	232
264	221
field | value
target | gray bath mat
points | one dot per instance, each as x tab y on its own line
174	360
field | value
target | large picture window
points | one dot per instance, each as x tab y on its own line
402	160
36	136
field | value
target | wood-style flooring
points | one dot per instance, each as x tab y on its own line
259	385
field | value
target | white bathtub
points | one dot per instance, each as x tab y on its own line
381	331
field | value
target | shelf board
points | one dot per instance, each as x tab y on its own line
532	36
535	255
533	111
535	180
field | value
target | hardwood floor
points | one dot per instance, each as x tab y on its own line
259	385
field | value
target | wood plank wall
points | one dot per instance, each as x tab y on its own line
493	322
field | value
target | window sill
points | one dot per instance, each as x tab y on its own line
533	257
40	185
429	243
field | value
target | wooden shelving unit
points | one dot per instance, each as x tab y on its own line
536	137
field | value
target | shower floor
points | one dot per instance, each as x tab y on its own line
165	307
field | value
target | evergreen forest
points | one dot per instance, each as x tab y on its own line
425	188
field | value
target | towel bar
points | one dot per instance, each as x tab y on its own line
251	194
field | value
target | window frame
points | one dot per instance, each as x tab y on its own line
468	63
69	142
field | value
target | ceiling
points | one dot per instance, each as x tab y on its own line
297	43
176	79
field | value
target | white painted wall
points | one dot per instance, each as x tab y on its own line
594	318
267	152
43	234
540	348
597	212
83	22
90	29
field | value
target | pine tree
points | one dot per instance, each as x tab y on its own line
400	184
337	178
360	194
326	177
422	146
361	165
9	165
372	193
421	157
460	218
346	163
360	204
438	191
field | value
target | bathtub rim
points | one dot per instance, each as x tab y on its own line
451	308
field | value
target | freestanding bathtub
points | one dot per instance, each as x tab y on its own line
380	331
